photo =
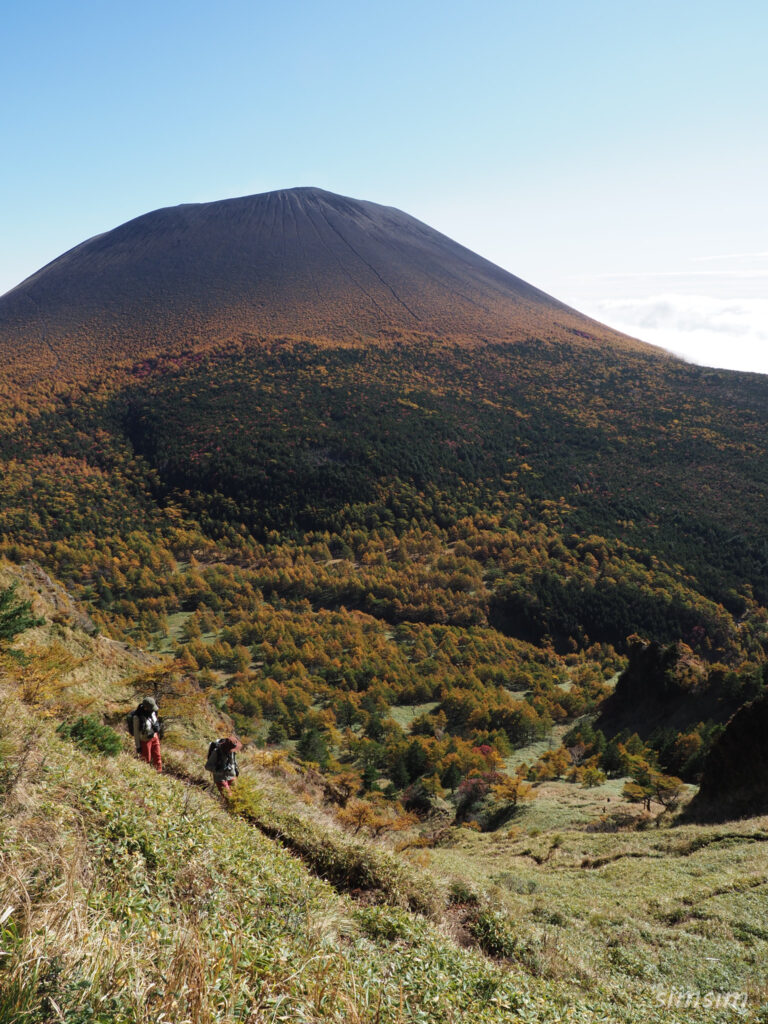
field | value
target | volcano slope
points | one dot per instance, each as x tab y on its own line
335	465
302	262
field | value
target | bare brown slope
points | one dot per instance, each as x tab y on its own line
301	262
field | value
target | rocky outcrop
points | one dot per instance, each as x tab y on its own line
661	686
735	779
58	603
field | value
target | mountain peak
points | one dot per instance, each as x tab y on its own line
301	261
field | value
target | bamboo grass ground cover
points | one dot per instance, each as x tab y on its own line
131	897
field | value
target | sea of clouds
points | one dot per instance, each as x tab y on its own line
715	313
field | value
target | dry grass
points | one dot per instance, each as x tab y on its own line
131	897
627	910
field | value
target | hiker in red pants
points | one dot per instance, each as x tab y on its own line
146	728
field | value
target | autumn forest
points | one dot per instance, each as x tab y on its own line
403	561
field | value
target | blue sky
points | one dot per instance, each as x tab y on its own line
612	153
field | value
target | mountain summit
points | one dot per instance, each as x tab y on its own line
300	261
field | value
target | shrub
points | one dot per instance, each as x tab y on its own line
462	892
90	734
312	746
493	931
386	923
15	615
277	733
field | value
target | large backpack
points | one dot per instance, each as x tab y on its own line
147	727
158	730
213	763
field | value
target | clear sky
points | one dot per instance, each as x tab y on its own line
613	153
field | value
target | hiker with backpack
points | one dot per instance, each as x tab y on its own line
222	763
146	728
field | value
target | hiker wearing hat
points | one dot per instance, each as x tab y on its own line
146	730
222	763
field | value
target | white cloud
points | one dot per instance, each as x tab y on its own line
712	310
731	333
742	257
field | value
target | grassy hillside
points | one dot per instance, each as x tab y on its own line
635	910
126	896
